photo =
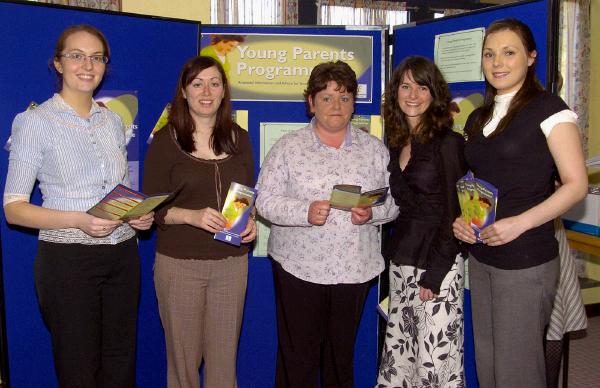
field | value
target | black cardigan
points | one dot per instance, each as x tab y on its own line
426	194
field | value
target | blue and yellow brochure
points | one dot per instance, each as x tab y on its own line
478	200
236	210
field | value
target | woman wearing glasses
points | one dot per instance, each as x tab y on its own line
87	268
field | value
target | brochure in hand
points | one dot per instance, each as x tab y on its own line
345	197
123	203
383	308
236	210
478	200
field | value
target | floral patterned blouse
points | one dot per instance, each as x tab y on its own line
298	170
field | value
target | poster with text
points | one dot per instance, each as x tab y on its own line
276	67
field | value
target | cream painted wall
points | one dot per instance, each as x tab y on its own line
594	101
198	10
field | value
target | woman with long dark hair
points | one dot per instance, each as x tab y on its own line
520	140
200	282
424	335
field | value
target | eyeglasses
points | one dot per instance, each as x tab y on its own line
79	57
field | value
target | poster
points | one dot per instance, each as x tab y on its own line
463	103
125	104
369	123
276	67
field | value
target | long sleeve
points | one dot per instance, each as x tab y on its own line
272	202
157	170
389	210
445	247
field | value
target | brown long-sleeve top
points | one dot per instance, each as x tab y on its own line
168	167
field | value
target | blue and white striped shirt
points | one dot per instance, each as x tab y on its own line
77	162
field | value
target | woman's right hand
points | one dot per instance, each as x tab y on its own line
318	211
463	231
208	219
96	227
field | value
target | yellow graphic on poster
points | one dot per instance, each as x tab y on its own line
125	104
240	117
463	103
369	124
163	119
269	67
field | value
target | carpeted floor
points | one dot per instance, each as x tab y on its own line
584	362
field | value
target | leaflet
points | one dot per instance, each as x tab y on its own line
478	200
345	197
123	203
236	210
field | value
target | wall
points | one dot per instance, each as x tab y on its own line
180	9
594	131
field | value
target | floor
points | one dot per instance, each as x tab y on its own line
584	360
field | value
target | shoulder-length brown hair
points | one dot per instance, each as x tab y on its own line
223	138
531	86
437	119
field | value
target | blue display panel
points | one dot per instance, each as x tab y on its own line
258	343
146	55
419	39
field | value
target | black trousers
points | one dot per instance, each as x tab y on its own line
316	327
88	296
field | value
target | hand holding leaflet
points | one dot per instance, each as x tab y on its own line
345	197
478	200
236	210
123	203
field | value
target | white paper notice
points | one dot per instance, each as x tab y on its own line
458	55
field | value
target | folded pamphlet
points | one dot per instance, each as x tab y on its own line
345	197
123	203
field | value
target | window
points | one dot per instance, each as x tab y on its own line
247	11
390	15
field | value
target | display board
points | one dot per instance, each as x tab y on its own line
146	55
424	39
271	98
268	74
